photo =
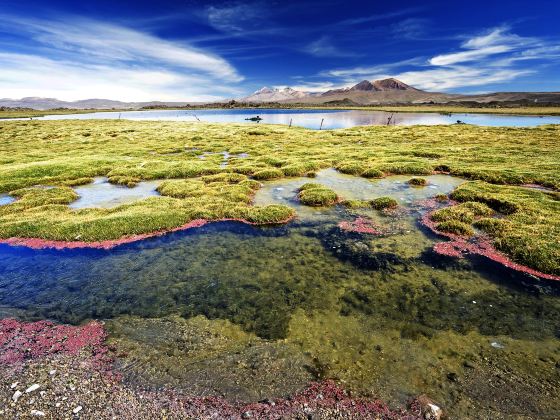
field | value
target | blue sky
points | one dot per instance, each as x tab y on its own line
198	50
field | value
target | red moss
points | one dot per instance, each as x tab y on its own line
361	225
20	341
38	243
459	246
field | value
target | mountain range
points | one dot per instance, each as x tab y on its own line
392	91
378	92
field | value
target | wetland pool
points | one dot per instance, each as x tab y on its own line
316	119
215	310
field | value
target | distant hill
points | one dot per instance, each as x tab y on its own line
378	92
52	103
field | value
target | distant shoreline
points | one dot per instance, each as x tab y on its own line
439	109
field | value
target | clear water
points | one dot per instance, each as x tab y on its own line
5	199
332	119
380	313
103	194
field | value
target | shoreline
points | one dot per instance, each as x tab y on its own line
59	370
458	246
38	243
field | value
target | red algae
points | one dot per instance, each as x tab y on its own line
459	246
361	225
38	243
20	341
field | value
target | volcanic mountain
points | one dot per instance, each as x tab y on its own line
366	92
267	94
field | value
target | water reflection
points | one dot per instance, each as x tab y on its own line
313	119
103	194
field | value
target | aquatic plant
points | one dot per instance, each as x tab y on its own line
382	203
418	182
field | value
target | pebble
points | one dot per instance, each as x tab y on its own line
497	345
37	413
77	409
32	388
52	372
14	385
16	395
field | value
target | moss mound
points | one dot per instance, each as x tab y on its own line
268	174
382	203
456	227
316	195
418	182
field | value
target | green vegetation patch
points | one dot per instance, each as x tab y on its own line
317	195
418	182
382	203
63	153
528	226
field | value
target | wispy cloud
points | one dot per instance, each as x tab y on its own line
496	41
86	57
324	47
483	59
237	17
410	28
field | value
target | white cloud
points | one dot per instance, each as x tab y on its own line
323	47
76	59
472	55
237	17
492	57
458	76
27	75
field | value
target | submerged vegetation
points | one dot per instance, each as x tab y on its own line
199	181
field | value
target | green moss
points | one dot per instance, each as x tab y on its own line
372	173
268	174
316	195
419	182
442	198
384	203
492	226
351	168
408	169
76	182
456	227
127	181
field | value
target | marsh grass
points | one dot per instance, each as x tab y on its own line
527	227
65	153
316	195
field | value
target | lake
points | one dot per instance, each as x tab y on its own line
332	119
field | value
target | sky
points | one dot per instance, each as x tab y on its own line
193	50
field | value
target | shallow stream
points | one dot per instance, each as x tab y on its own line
382	314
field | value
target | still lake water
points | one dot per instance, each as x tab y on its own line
332	119
379	313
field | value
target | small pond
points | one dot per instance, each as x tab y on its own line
316	119
5	199
103	194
